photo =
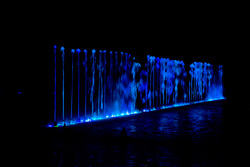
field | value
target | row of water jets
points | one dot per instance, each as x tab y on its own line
115	85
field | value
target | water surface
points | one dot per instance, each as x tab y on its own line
191	136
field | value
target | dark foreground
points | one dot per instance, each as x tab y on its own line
186	136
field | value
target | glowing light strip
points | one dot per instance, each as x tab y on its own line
73	122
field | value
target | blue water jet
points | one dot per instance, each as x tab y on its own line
72	77
78	63
63	56
55	85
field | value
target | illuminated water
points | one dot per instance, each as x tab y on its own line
169	110
190	135
112	85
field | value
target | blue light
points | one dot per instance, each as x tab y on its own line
135	112
87	120
113	85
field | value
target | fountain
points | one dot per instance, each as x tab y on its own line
63	54
112	83
55	87
85	92
93	81
78	63
72	77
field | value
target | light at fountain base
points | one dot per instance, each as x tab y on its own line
94	119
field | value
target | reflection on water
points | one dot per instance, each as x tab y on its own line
189	135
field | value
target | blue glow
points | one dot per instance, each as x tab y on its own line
78	50
87	120
116	85
55	85
72	122
63	61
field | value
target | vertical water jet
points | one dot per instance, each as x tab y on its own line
99	79
63	54
72	74
55	86
78	52
85	91
104	80
93	82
